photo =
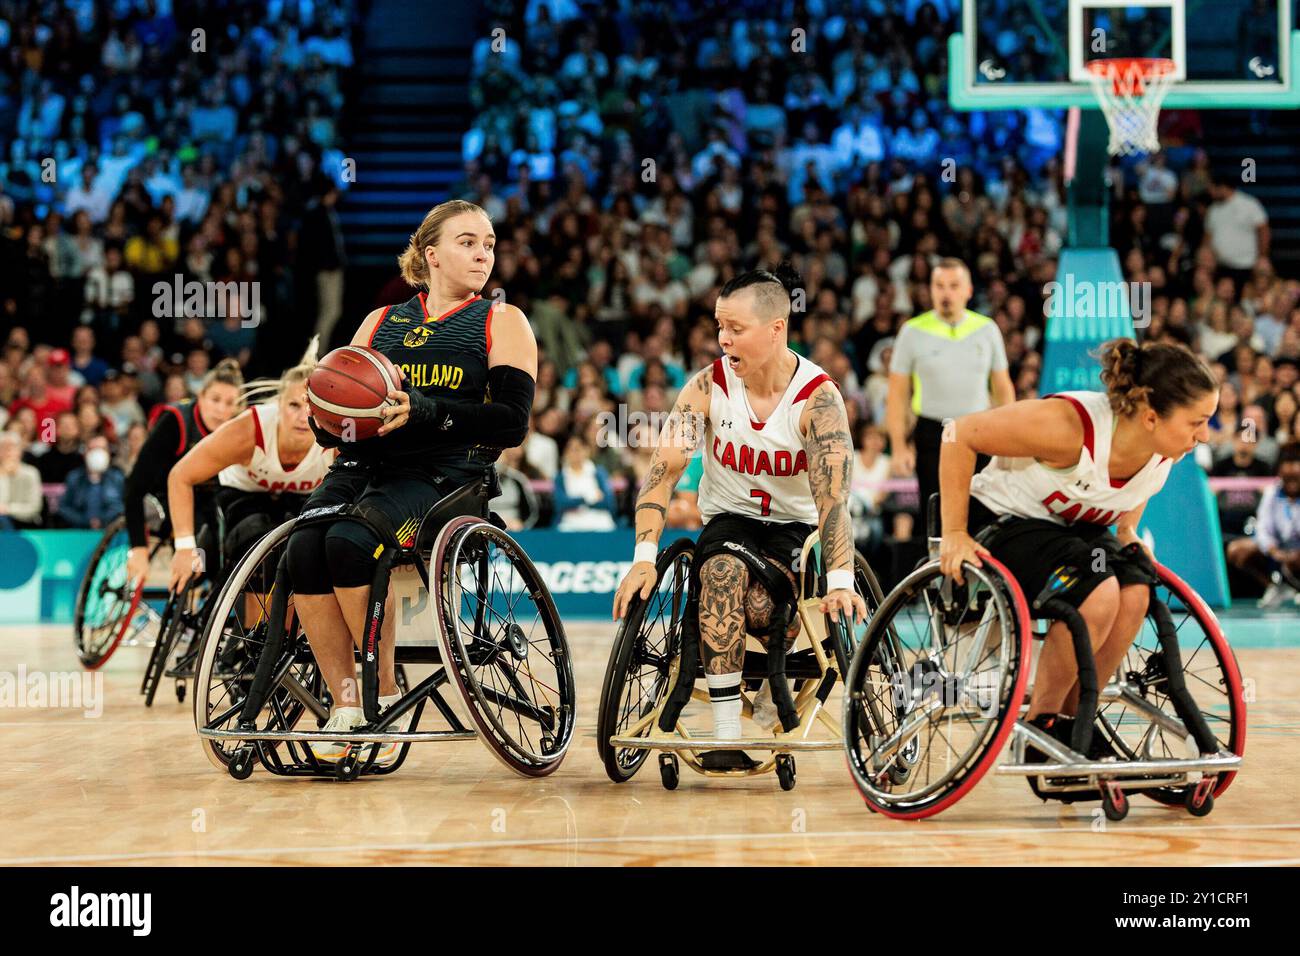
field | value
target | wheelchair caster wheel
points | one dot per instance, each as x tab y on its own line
668	771
1200	798
241	764
180	691
785	771
349	768
1113	802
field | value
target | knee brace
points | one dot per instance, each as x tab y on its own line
351	550
308	569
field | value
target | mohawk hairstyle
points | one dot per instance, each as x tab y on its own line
771	289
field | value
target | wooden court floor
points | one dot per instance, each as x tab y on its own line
130	786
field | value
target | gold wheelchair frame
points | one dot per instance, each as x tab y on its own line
815	662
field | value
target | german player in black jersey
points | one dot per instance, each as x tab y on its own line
174	431
469	369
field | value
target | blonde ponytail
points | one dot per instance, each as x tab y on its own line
266	388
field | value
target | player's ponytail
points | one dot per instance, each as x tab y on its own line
1163	375
226	372
788	276
413	266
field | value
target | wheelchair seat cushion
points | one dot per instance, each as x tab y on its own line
1034	551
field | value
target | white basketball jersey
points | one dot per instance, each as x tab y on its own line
1084	493
752	468
264	471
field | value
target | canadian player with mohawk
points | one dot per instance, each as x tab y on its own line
777	461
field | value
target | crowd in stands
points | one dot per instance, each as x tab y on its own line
633	158
147	142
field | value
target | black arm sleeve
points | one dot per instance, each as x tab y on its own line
157	456
501	422
324	438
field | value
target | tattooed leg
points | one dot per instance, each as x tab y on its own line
759	606
722	621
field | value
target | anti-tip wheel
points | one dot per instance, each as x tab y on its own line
785	771
1114	802
668	771
241	765
1200	800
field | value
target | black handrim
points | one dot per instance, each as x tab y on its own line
507	645
637	677
873	705
239	646
1204	673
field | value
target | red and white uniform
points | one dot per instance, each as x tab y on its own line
1084	493
264	471
752	468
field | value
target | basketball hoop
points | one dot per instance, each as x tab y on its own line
1130	90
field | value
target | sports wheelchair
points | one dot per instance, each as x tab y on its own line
1170	723
112	611
654	667
499	644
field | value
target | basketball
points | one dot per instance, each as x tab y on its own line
351	385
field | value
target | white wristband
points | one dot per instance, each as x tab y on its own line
184	544
645	551
835	580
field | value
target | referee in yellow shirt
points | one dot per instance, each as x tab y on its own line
948	362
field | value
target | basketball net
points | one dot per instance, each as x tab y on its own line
1130	90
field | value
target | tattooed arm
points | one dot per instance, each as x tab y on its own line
681	437
825	427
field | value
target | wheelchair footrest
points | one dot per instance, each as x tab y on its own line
352	737
1120	769
716	743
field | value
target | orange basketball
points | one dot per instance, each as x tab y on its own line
348	388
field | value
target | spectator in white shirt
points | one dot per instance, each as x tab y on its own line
89	195
192	200
1156	183
1237	228
858	140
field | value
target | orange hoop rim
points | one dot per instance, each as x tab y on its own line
1136	70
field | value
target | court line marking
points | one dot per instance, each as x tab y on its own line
649	838
1294	861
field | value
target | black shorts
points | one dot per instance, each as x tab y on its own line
343	553
402	497
1033	550
781	543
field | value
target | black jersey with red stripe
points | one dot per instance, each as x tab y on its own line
446	358
173	431
189	423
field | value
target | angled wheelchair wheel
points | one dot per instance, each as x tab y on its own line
109	608
935	688
1210	674
641	664
235	634
178	631
503	645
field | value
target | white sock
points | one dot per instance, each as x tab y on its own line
355	715
724	695
388	700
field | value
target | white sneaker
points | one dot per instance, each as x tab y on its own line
1278	593
343	718
765	712
388	752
